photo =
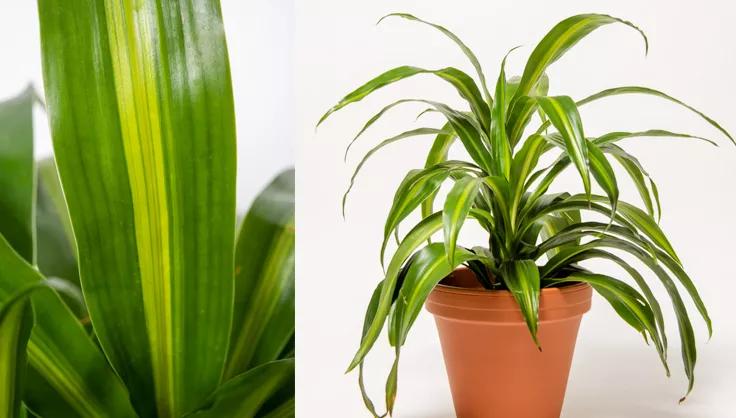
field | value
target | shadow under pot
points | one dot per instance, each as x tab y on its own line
494	367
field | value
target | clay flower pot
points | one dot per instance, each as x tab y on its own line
494	367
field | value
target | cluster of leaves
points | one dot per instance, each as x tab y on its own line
535	238
129	291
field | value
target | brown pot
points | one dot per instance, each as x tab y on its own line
494	367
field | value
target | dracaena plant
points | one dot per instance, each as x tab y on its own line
536	238
125	288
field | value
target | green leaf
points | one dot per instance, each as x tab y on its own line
418	235
563	114
55	243
391	76
616	91
522	279
17	176
468	53
500	146
429	266
554	45
244	394
559	40
263	320
15	330
286	410
415	189
635	172
141	113
458	203
524	162
603	174
372	151
613	137
68	376
436	155
628	303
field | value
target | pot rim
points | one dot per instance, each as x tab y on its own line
504	293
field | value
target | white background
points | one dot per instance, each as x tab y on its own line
260	39
614	374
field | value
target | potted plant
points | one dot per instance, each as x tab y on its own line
508	311
126	289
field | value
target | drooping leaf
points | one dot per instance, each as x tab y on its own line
616	91
418	235
141	113
68	376
552	47
522	279
559	40
263	320
603	174
467	51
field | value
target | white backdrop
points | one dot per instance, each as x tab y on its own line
260	39
614	374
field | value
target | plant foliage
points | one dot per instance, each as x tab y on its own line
125	288
536	238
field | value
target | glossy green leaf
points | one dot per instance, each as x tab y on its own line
613	137
244	394
522	279
68	376
141	113
263	319
559	40
563	114
457	207
552	47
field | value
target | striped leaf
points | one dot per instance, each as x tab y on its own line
552	47
603	174
15	330
69	376
625	300
141	112
437	154
563	114
263	320
457	207
522	279
415	238
500	146
617	91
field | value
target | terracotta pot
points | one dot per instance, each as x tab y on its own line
494	367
